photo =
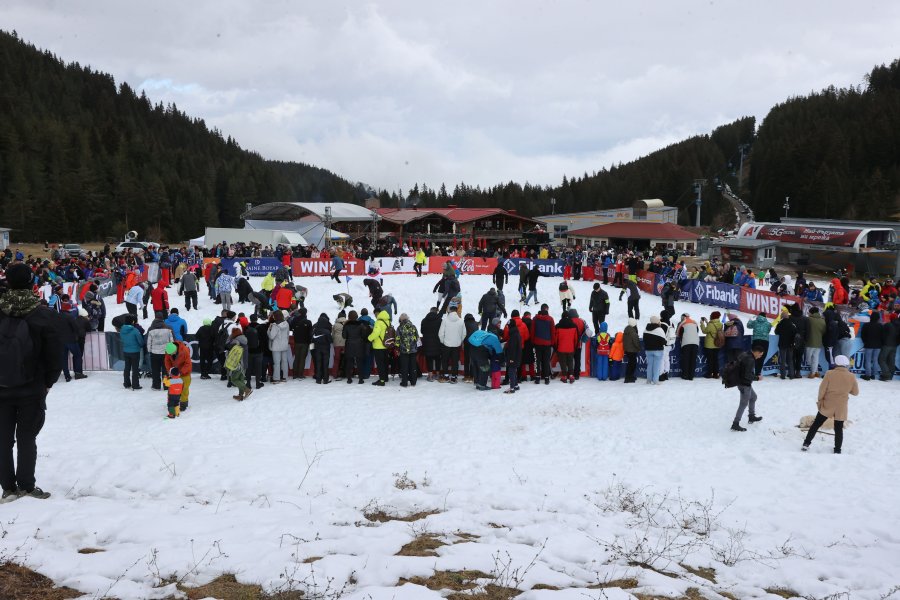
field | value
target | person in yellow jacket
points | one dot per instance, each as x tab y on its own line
711	348
420	262
379	347
544	253
268	284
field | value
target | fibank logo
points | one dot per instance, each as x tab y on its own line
510	265
699	293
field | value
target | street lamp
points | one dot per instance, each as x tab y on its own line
552	206
786	206
327	227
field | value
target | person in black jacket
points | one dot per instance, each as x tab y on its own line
267	362
801	324
527	363
533	275
27	376
302	328
598	306
244	289
872	336
501	276
832	331
513	353
787	333
68	336
354	346
887	359
487	308
254	352
321	337
746	377
431	343
206	340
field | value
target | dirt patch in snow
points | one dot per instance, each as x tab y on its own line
21	583
423	545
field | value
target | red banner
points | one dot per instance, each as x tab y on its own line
757	301
740	255
645	281
467	265
309	267
798	234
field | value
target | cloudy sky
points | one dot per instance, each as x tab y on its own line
395	92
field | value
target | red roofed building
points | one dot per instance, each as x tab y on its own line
636	234
495	225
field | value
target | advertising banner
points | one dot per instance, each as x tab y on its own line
389	264
309	267
798	234
738	255
713	293
646	281
757	301
486	266
256	267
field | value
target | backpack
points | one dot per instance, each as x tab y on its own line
731	374
222	338
390	338
603	345
234	361
719	341
15	347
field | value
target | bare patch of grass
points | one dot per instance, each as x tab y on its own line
224	587
496	526
689	594
465	537
626	583
652	568
489	592
544	586
423	545
707	573
21	583
728	595
783	592
457	581
90	550
311	559
377	513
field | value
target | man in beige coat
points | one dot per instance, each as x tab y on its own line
834	394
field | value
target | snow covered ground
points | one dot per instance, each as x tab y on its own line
561	485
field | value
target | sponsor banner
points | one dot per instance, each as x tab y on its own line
713	293
798	234
844	311
256	267
738	255
757	301
105	286
308	267
646	282
388	264
486	266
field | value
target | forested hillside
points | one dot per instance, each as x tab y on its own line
84	159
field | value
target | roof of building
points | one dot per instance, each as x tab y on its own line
636	230
649	203
456	215
293	211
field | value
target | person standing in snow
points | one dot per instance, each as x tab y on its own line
760	327
598	306
532	276
236	363
689	334
431	343
377	337
746	375
134	300
815	332
321	354
833	399
452	334
654	348
631	345
419	262
487	308
187	285
224	287
408	345
566	295
178	356
523	281
279	343
337	263
634	297
543	338
500	276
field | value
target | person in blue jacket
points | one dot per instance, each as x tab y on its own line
177	324
485	346
337	264
132	343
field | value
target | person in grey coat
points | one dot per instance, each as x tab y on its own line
279	344
187	285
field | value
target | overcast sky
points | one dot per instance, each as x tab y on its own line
396	92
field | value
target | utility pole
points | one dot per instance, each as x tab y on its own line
552	206
786	206
698	187
327	227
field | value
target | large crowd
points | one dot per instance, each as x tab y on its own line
501	346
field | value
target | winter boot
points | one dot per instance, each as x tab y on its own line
34	493
755	419
737	427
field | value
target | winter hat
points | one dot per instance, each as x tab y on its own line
404	317
603	327
654	319
82	312
632	322
171	348
496	321
19	276
514	313
342	314
207	322
841	360
573	313
715	315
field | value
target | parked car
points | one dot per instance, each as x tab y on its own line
73	250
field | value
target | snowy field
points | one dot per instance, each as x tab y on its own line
559	486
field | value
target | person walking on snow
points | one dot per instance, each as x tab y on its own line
746	375
224	287
598	306
178	356
833	399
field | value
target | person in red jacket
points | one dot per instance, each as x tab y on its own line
284	298
159	298
839	295
581	327
543	338
566	342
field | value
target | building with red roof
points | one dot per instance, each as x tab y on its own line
494	225
635	234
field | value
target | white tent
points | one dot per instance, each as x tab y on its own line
200	241
313	231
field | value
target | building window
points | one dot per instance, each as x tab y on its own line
768	253
560	230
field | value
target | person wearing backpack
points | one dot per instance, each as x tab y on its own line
255	351
222	326
30	354
178	356
321	354
734	337
378	337
236	363
741	373
602	352
566	296
712	343
408	346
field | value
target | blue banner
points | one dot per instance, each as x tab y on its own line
552	268
713	293
256	267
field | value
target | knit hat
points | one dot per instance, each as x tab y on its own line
207	322
404	317
632	322
82	312
654	319
603	327
573	313
715	315
171	348
841	360
19	276
496	321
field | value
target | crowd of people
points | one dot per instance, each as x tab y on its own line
493	345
